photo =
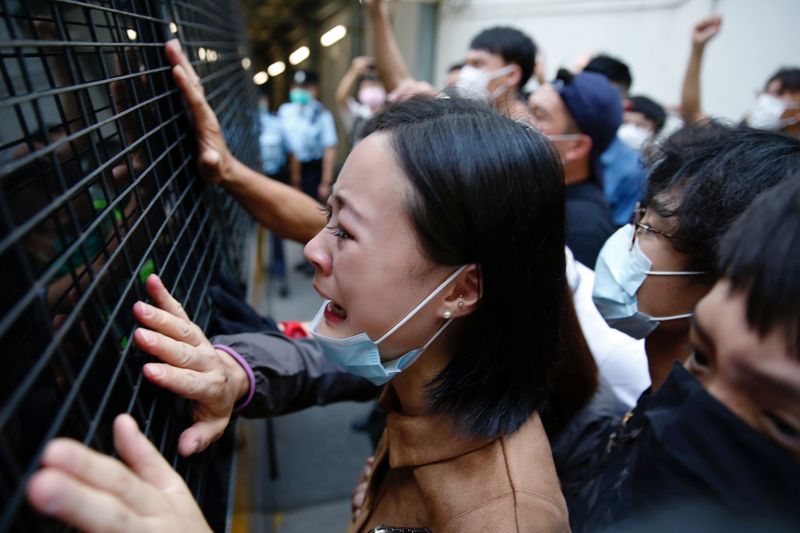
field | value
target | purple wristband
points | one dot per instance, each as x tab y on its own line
251	378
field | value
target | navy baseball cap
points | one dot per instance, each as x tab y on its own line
595	105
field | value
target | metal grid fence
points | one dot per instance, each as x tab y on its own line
98	188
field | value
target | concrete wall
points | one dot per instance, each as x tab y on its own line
652	36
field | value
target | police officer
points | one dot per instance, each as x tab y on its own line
310	135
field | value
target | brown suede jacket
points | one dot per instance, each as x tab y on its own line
427	475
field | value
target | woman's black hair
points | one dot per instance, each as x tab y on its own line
488	191
760	255
711	172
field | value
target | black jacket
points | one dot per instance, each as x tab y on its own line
680	451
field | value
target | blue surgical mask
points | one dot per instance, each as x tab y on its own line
359	354
618	274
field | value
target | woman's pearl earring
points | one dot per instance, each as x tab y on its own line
447	314
460	301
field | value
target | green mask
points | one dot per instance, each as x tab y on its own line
299	96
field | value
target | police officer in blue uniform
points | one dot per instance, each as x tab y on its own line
310	135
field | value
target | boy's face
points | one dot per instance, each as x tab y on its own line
484	60
756	377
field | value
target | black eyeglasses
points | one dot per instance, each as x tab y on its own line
638	215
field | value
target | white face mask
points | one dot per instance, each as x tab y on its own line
767	112
474	83
634	136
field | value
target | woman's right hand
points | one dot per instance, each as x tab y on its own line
215	161
190	366
94	492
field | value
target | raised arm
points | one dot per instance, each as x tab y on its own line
358	67
282	209
391	65
702	33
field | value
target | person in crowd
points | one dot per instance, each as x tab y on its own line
642	122
624	172
651	273
433	272
719	438
371	97
499	62
776	108
273	149
621	360
311	136
580	114
617	72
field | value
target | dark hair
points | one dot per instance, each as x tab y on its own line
488	190
372	77
651	109
761	255
303	77
789	77
612	68
716	171
513	45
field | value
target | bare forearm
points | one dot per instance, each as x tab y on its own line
282	209
391	65
294	171
345	87
690	95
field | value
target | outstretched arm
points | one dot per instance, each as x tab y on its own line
358	67
391	65
276	374
280	208
703	32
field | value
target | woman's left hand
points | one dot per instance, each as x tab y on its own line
190	366
94	492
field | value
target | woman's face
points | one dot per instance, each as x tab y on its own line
368	260
735	364
665	295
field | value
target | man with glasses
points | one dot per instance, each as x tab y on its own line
651	274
